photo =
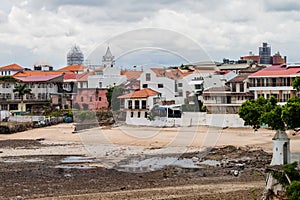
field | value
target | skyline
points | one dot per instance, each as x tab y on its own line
33	31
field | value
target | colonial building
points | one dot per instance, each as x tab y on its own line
229	98
41	89
10	70
275	81
138	104
90	99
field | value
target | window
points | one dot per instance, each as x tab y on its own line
13	107
81	98
179	84
145	85
198	86
4	107
99	99
148	77
139	115
160	85
144	102
91	99
16	96
100	84
136	104
233	87
242	87
81	84
129	104
131	114
180	93
146	114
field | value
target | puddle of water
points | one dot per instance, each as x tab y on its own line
74	167
19	160
156	163
210	162
77	159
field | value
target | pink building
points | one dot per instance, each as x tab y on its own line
95	99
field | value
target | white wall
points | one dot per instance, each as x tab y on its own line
168	90
191	119
111	76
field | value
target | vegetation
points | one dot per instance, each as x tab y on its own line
289	177
8	79
22	90
112	97
296	83
277	117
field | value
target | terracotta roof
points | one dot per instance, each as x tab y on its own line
37	78
84	77
219	89
170	73
39	73
131	74
239	78
144	93
72	68
14	67
70	76
277	71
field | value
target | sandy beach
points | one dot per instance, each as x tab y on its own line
66	156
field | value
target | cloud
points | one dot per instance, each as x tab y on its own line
48	29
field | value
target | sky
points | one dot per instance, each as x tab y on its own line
158	32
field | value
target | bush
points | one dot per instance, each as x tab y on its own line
293	190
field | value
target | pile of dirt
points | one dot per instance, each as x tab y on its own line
24	144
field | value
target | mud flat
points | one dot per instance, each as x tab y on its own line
134	163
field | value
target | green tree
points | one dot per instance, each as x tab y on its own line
112	97
296	83
293	190
251	112
22	90
291	113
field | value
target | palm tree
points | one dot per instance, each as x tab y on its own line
22	89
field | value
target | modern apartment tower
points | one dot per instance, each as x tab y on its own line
265	54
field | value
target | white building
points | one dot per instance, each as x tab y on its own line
275	81
10	70
138	104
168	82
106	77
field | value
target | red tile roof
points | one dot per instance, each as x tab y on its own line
73	68
170	73
14	67
84	77
37	78
70	76
132	74
277	71
144	93
39	73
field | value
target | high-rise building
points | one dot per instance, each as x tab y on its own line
75	56
265	54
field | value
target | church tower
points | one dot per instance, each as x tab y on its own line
108	59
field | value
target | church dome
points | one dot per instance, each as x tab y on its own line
75	56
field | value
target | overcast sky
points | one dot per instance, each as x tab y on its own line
36	30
